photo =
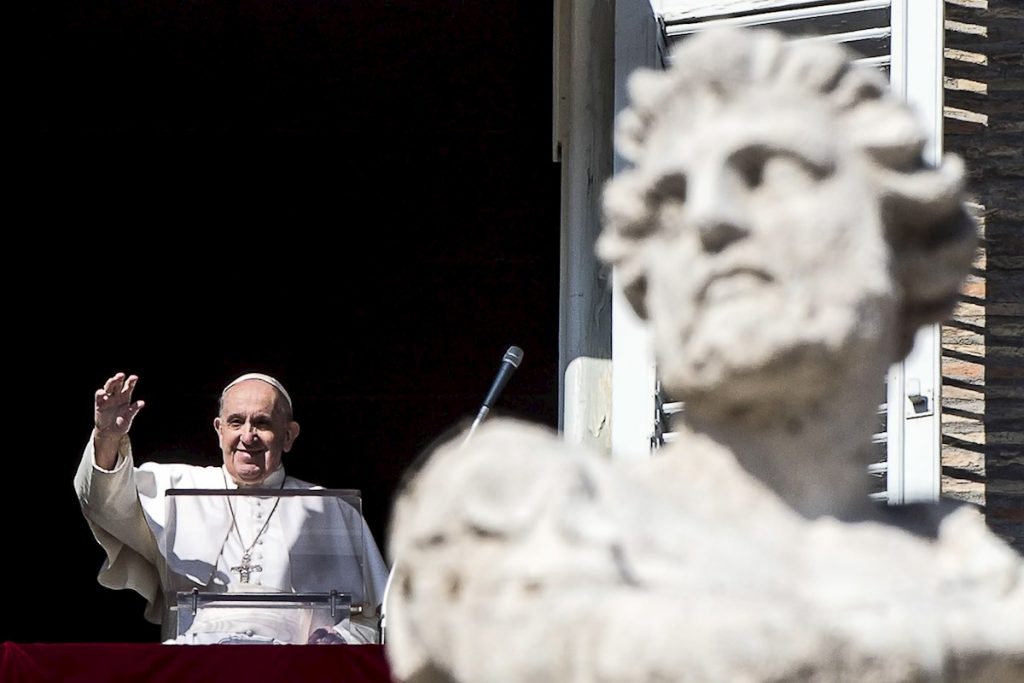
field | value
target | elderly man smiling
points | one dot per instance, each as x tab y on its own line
225	543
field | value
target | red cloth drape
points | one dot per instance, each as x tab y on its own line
130	663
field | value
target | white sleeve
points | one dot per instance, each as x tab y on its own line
110	504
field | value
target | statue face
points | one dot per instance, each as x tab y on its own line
767	268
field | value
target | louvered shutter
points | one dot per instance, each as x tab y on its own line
903	38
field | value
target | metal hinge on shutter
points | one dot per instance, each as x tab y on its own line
663	412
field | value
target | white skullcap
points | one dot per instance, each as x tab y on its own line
263	378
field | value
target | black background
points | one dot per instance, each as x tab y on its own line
358	198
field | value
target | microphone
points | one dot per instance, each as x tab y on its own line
509	362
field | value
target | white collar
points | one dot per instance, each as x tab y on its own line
273	481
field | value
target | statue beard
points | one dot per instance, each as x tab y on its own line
774	348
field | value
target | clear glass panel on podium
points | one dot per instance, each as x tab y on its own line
264	565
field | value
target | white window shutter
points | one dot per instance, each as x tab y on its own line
902	37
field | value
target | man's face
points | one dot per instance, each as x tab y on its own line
254	431
768	264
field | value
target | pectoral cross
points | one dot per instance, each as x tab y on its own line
246	568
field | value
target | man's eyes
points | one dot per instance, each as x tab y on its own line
261	424
258	424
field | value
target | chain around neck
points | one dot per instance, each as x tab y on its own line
247	551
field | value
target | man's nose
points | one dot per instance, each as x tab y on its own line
715	209
249	432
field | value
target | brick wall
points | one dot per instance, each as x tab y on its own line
983	354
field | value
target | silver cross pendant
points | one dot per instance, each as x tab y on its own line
246	568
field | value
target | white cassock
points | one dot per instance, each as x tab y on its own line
300	545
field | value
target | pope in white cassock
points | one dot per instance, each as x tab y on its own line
225	543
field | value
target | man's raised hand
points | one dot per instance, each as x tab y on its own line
114	409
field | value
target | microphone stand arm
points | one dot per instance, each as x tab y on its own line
510	362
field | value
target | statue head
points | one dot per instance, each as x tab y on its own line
779	227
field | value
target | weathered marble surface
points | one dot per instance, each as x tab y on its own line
784	239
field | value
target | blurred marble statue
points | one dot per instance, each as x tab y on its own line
784	239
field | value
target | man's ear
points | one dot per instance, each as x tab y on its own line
290	435
216	425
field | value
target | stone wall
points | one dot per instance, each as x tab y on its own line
983	355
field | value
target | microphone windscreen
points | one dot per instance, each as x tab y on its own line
514	355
